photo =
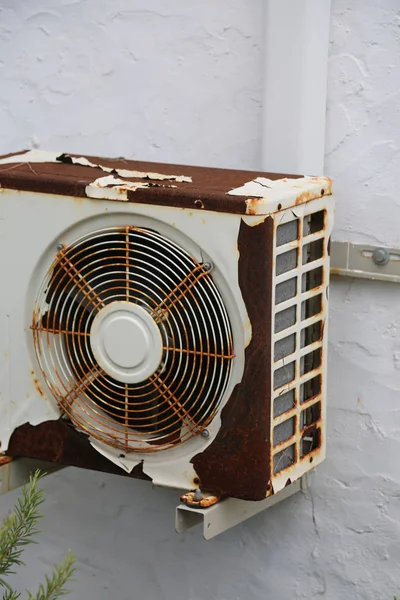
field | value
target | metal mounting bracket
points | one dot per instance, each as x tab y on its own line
365	262
226	514
15	472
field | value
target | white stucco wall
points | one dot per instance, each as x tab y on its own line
179	81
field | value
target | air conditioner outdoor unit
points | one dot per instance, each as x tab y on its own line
165	322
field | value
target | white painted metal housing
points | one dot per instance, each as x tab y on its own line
33	228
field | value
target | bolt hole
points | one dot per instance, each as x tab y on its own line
322	192
208	525
196	481
279	206
311	459
199	203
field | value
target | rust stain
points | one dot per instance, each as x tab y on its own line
205	502
37	384
5	460
59	442
37	387
238	462
324	190
322	186
70	176
306	196
252	204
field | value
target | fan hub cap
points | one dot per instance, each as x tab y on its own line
126	342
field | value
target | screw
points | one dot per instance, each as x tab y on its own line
205	434
198	495
60	246
381	256
207	266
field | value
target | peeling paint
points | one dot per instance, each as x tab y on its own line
66	158
232	243
111	188
268	196
253	221
124	461
41	156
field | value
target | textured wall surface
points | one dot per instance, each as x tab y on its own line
181	82
171	81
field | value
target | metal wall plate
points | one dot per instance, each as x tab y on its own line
365	262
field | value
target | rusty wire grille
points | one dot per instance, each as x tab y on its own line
300	311
142	267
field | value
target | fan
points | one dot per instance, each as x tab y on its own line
133	339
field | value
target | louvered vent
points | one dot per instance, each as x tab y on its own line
300	283
133	339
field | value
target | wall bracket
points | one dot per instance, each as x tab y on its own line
227	513
365	262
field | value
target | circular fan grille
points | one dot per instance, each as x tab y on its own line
133	339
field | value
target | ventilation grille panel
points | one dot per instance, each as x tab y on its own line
300	282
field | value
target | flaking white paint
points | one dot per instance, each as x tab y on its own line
269	195
43	156
181	82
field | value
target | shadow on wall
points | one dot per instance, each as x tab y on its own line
122	532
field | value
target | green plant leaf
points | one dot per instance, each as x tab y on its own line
54	586
19	529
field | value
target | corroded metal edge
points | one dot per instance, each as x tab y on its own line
237	463
196	188
59	442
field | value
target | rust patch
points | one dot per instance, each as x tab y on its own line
252	204
5	460
69	179
264	194
59	442
237	463
306	196
206	501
